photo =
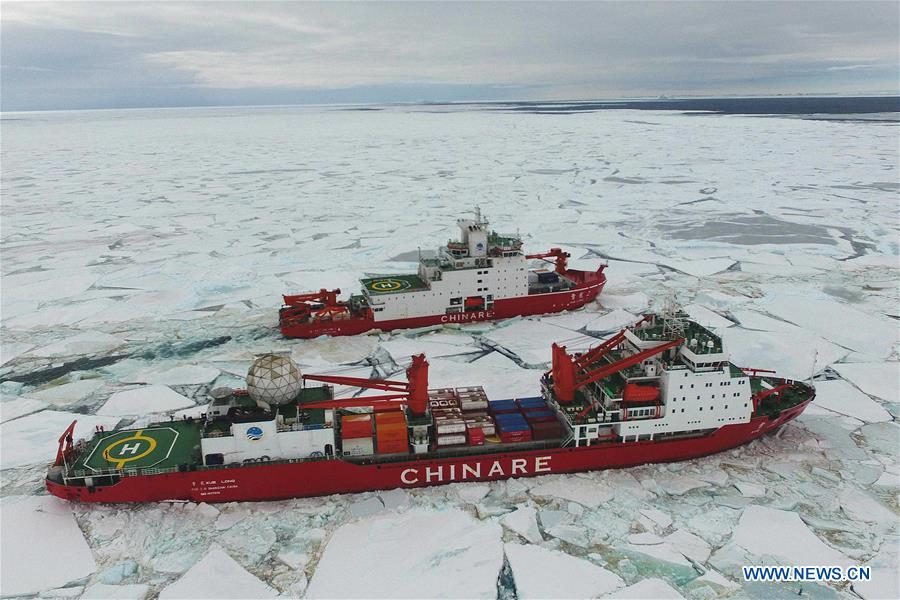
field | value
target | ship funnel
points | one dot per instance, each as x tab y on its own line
274	379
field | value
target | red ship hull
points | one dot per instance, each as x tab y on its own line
590	284
319	478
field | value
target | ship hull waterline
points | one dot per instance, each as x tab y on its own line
504	308
280	481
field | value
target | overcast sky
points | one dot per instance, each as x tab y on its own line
102	55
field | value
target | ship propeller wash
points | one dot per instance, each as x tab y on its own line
482	276
661	390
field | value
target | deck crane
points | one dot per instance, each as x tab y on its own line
413	393
303	306
570	374
561	257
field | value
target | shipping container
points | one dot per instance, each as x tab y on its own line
531	402
392	446
358	446
475	436
549	277
444	426
502	406
454	439
510	437
356	426
393	416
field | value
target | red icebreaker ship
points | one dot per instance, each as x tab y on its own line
481	277
662	390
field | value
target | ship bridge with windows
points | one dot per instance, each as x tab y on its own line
666	375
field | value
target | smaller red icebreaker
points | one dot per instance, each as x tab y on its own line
481	277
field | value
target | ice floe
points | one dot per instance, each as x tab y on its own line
769	532
216	576
38	529
646	589
879	379
542	573
144	400
411	555
841	397
33	439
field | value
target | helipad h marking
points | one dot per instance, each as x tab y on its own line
129	452
388	285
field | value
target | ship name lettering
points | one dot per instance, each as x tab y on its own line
437	474
470	470
472	316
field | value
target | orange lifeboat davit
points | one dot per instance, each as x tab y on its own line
640	393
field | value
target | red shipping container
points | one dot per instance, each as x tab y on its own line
394	416
393	448
356	426
544	419
515	436
476	436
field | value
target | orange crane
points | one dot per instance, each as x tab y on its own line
561	257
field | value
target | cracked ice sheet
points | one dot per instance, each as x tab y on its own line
500	377
834	321
33	439
841	397
530	340
455	557
791	354
144	400
215	576
769	532
36	529
542	573
881	380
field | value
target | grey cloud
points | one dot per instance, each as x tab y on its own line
164	53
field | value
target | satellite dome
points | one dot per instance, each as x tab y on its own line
274	379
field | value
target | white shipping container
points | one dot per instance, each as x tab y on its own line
358	446
474	404
442	426
451	440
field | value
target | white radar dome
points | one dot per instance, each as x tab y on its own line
274	379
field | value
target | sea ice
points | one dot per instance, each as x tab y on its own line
19	407
542	573
646	589
180	375
611	322
841	397
35	529
415	554
879	379
794	355
860	506
834	321
523	521
698	268
144	400
689	544
89	342
707	317
34	439
217	576
769	532
587	492
67	393
102	591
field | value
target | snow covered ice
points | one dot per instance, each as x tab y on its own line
145	252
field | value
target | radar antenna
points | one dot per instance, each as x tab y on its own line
672	318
